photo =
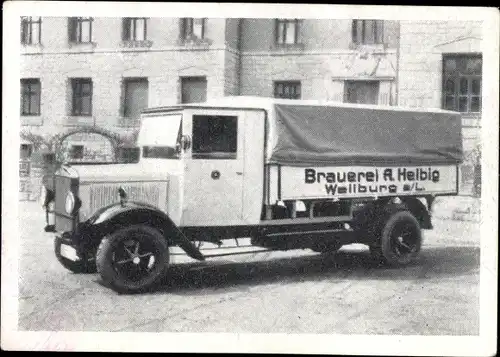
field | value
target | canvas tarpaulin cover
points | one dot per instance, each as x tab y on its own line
305	135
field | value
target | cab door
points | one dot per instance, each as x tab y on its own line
213	168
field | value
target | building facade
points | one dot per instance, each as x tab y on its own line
440	66
86	72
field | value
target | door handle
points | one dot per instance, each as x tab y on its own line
215	174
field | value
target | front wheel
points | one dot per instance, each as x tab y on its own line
132	259
399	241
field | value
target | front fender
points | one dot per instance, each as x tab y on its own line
112	217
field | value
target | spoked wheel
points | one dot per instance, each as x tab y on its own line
132	259
400	239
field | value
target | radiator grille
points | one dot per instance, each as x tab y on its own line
102	195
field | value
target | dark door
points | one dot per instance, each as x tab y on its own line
363	92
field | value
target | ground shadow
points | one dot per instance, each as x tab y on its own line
209	277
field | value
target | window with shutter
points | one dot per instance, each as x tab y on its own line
135	96
81	96
193	28
72	29
287	31
134	29
367	32
126	29
30	96
31	30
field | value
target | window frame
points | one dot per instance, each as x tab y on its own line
75	30
187	31
231	154
127	35
77	95
361	38
456	77
27	23
27	83
283	22
126	81
291	83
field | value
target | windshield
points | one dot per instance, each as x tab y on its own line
160	135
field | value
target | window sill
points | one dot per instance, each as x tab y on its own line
32	48
379	47
136	44
289	46
72	120
83	45
31	120
127	122
195	43
80	115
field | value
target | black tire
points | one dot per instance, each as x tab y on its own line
399	241
124	258
84	266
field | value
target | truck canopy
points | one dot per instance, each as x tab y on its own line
306	135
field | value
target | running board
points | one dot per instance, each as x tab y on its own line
238	253
306	238
303	220
320	231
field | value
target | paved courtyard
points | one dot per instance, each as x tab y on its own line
292	292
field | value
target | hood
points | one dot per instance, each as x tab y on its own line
114	173
145	182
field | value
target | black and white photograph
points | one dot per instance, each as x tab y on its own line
270	178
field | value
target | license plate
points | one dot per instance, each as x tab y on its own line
69	252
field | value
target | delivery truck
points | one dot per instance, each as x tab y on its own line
288	174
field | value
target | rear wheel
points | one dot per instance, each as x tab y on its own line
132	259
399	239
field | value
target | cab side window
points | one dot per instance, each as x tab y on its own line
214	137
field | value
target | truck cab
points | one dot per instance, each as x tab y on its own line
219	154
287	174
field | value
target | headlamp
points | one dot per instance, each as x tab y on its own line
70	203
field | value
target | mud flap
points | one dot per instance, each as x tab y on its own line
187	245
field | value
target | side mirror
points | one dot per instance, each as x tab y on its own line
185	142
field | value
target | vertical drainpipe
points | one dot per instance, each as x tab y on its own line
240	21
398	46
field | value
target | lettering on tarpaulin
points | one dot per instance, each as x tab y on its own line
373	180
